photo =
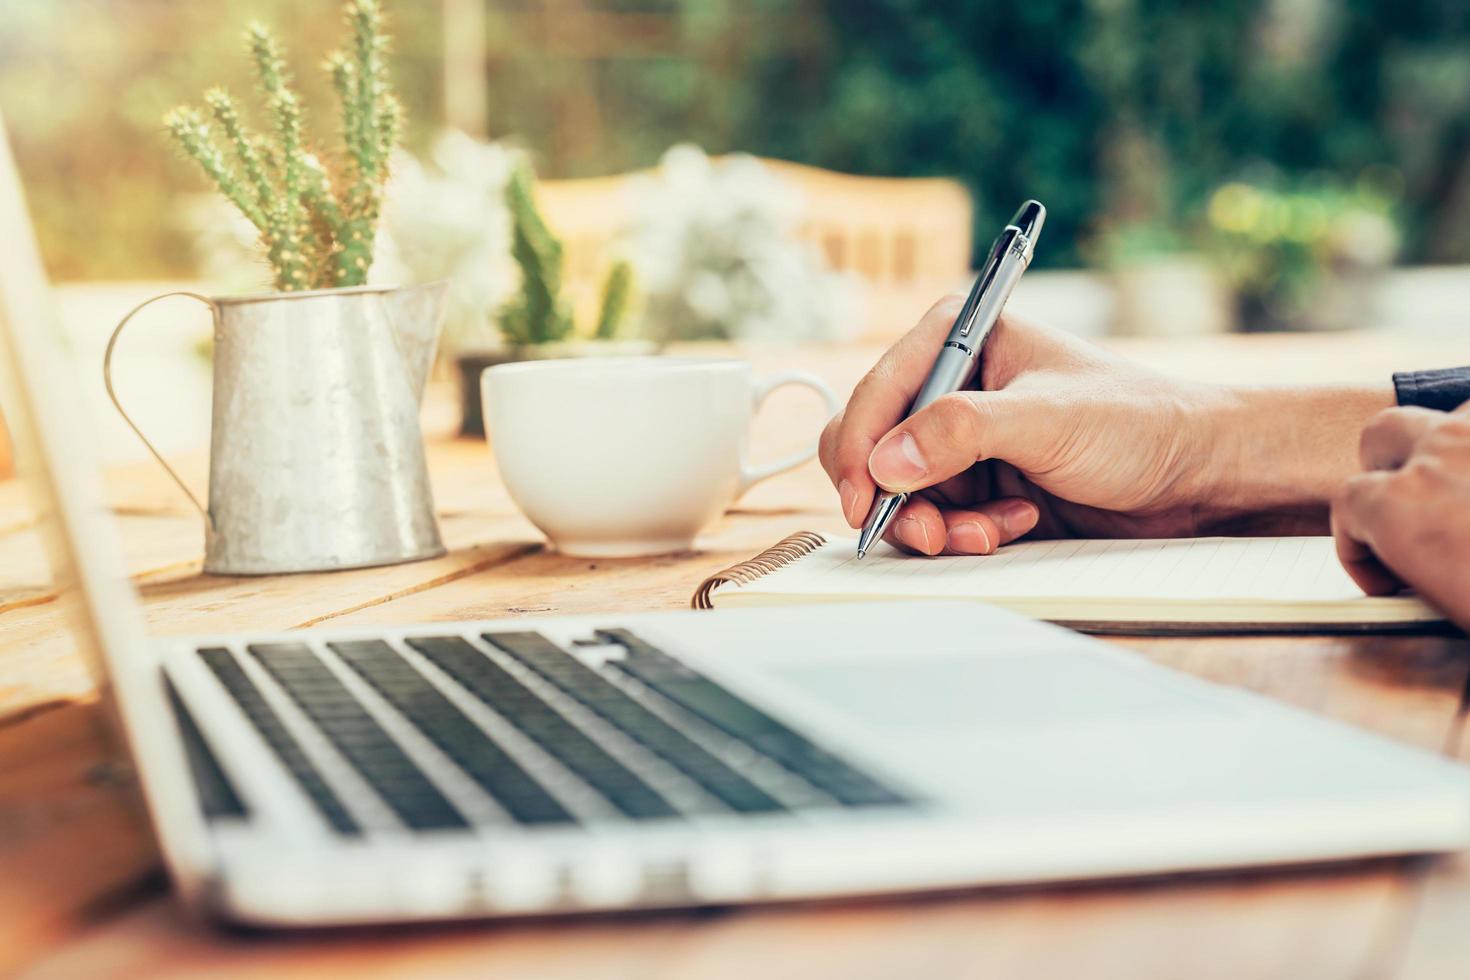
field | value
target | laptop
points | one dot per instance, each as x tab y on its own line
600	763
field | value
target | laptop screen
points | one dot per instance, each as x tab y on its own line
63	501
73	556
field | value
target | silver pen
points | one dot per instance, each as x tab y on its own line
958	361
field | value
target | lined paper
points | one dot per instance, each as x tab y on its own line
1181	570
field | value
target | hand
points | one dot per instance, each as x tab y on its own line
1406	520
1065	439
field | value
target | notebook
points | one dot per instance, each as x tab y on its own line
1292	584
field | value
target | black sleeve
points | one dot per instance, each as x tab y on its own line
1446	389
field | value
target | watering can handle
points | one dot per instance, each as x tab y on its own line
107	380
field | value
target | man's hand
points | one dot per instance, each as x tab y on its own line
1065	439
1406	519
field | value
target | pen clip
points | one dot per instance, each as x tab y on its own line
1004	242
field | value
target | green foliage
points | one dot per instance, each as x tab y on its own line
317	228
1116	113
538	313
1277	246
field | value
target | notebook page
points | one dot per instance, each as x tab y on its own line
1197	570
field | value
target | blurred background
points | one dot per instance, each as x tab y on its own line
813	169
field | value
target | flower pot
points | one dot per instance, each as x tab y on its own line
1178	296
470	364
316	457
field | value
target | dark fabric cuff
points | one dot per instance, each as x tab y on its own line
1446	389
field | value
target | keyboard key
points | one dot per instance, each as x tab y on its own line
620	710
239	686
217	796
741	720
452	731
346	723
524	709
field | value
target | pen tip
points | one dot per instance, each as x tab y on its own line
861	552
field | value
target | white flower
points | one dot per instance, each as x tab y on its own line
450	221
717	254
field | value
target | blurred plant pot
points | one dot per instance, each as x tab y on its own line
1342	298
1179	296
1349	300
1255	313
471	364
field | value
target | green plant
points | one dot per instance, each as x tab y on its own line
317	220
538	313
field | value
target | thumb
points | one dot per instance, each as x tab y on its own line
951	435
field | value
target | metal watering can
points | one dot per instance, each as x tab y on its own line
316	457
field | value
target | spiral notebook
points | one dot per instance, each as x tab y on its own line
1292	584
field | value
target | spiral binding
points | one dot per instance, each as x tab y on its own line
779	555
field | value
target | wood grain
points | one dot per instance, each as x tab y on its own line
71	835
1309	924
7	454
1438	907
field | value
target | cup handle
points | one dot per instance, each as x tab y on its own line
112	394
751	475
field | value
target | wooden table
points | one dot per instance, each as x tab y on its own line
80	895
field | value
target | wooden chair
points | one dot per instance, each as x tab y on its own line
588	215
907	240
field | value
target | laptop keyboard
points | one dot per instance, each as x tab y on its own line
620	710
639	736
372	751
282	742
485	762
549	729
741	720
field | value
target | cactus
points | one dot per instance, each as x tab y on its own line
616	290
316	227
538	314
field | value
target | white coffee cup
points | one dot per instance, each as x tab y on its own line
629	455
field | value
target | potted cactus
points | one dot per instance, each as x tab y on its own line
317	227
537	321
316	457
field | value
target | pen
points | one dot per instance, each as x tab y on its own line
958	361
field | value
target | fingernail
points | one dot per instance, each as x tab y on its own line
1014	516
970	538
898	463
912	532
848	495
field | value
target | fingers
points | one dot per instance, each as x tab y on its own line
922	527
854	500
878	402
954	433
1389	439
1363	566
994	523
918	527
1355	514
